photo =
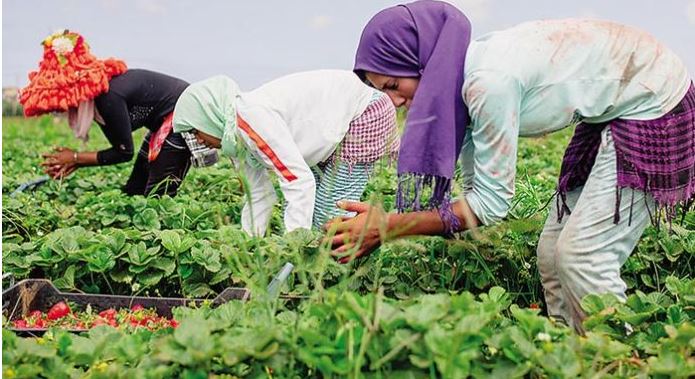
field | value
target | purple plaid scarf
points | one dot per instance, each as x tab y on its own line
654	156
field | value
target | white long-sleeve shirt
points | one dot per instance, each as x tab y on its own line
542	76
301	119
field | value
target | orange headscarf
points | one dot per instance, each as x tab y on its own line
68	74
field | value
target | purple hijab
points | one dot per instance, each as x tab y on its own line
425	39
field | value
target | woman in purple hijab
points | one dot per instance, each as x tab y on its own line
631	160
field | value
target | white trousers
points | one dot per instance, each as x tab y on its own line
583	254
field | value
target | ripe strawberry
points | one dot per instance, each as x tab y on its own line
40	323
58	311
145	320
137	307
36	314
20	324
108	314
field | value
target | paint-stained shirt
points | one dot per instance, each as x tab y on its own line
542	76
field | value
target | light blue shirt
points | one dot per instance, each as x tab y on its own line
542	76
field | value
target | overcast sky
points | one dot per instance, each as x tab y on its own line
255	41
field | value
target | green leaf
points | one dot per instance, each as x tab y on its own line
670	363
594	303
168	265
29	347
427	310
69	245
82	350
149	279
147	220
522	343
647	280
121	276
207	257
68	279
676	315
197	290
135	269
171	240
220	276
115	240
100	259
185	271
194	334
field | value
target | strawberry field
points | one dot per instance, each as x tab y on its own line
416	308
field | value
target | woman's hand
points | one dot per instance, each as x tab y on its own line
61	163
356	236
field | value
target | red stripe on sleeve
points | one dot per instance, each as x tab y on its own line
263	146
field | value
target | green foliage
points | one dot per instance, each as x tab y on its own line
416	308
348	335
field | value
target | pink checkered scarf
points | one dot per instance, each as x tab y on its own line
372	135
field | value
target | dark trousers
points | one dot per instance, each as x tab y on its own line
164	174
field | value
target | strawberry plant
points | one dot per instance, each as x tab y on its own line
420	307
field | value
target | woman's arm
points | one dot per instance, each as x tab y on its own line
270	139
494	104
257	210
117	129
490	152
63	161
359	236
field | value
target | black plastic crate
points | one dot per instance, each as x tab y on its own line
40	294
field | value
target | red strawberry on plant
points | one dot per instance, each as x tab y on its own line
58	311
137	307
173	323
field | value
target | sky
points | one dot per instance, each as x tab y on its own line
256	41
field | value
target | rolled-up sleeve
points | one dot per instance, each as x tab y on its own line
493	101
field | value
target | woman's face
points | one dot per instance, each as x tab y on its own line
401	90
207	140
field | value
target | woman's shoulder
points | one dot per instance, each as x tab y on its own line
134	82
139	74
